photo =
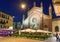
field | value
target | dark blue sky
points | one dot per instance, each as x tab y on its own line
12	7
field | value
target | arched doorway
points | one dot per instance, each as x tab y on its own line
56	28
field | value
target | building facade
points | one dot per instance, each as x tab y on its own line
56	26
6	20
38	20
56	21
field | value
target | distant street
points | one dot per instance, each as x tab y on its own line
17	39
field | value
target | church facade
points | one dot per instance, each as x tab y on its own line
38	20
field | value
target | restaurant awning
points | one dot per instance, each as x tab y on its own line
32	30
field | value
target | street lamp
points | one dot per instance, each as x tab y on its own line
23	7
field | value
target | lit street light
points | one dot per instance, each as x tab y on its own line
23	5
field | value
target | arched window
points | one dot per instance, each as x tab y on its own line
56	29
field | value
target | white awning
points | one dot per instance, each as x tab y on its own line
32	30
43	31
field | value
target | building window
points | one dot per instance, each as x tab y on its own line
34	20
7	21
3	16
56	29
2	21
7	17
0	15
1	26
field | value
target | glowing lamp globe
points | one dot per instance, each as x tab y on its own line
23	5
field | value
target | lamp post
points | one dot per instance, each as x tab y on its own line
23	7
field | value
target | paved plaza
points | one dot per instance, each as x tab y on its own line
17	39
52	39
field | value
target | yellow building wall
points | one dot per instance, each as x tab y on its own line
55	23
10	20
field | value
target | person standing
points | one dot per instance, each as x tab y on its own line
57	37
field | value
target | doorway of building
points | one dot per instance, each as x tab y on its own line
56	28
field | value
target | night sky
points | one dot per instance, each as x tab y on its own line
13	8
